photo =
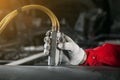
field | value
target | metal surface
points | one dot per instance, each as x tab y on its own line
58	73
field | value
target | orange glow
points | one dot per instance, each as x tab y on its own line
7	6
4	4
12	4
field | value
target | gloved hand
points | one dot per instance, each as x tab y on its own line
76	54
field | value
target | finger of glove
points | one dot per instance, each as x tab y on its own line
66	46
65	58
68	38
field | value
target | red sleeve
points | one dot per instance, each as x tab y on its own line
105	55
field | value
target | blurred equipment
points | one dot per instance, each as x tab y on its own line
90	23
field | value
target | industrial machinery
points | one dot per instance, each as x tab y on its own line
53	37
13	70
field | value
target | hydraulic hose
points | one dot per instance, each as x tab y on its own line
5	21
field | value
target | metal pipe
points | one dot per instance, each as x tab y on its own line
27	59
33	48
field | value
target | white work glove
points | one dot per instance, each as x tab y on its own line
76	54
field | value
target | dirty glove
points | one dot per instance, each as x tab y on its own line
76	54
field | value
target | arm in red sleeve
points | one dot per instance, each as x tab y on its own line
105	55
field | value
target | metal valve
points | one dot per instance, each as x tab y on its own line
51	40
